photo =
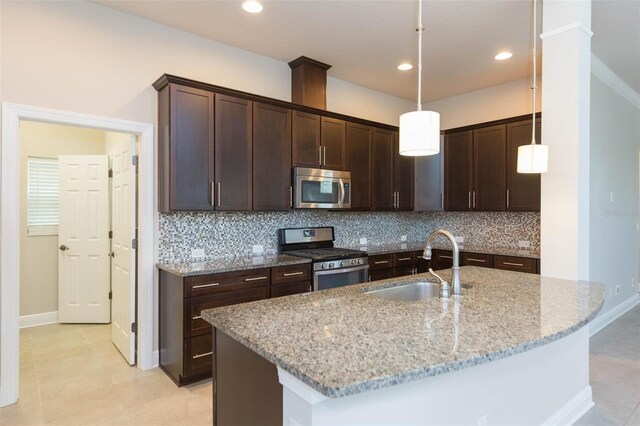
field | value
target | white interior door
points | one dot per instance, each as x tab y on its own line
123	262
83	239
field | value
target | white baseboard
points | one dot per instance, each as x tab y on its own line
35	320
606	318
156	359
572	410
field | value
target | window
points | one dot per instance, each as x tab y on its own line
42	196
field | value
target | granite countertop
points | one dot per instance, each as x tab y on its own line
344	341
411	246
230	264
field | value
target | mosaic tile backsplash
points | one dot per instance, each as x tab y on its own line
223	233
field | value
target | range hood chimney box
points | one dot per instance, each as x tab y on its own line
309	82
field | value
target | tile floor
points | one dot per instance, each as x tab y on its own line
72	374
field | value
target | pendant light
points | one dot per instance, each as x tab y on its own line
419	130
533	158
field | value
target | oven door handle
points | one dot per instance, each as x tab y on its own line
342	193
341	270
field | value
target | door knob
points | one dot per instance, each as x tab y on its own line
112	254
63	247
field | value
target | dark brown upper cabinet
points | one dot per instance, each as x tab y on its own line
403	177
306	150
458	171
523	189
185	149
332	141
233	153
358	162
271	157
382	188
489	169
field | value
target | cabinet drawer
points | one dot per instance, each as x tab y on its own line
404	271
290	273
380	261
512	263
229	281
195	325
477	259
404	259
380	274
422	264
441	259
198	355
290	288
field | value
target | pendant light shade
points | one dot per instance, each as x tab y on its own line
419	133
419	130
533	158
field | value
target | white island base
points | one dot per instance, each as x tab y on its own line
545	385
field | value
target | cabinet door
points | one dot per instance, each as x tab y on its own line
306	140
233	153
332	139
490	168
382	188
358	162
403	177
458	164
186	149
429	181
271	157
524	188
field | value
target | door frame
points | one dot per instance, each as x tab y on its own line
146	272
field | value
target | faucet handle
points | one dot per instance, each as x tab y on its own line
444	286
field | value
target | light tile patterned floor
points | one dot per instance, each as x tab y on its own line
72	374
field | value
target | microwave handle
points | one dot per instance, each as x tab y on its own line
342	193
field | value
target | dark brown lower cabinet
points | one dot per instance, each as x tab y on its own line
441	259
400	264
518	264
477	259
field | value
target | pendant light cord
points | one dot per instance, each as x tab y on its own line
420	29
535	31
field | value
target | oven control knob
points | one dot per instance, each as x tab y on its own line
323	266
359	261
330	265
341	263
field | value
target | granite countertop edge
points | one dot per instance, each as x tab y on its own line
231	264
375	250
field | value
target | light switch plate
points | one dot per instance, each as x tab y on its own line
459	240
363	241
197	253
403	238
257	249
524	244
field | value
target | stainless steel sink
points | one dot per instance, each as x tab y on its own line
409	293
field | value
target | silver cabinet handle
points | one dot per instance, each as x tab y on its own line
320	155
469	199
213	193
292	274
196	356
255	279
197	317
442	200
380	262
205	285
507	198
291	196
474	199
219	191
445	256
405	258
513	264
476	260
324	155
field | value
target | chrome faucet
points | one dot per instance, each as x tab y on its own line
455	277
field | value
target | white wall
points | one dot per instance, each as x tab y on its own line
615	146
39	254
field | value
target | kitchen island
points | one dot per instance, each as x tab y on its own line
513	350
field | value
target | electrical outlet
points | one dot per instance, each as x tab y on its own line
197	253
482	420
257	249
403	238
618	289
363	241
459	240
524	244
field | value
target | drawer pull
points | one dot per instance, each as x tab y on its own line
205	285
380	262
197	317
292	274
255	279
196	356
405	258
513	264
445	257
476	260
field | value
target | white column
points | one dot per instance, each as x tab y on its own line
566	56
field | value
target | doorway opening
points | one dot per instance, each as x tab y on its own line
15	119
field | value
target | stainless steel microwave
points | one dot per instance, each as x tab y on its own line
321	189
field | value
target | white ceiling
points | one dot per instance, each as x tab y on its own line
364	40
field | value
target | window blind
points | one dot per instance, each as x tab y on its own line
42	196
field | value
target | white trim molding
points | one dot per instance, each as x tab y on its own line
565	28
12	114
35	320
606	318
572	410
611	79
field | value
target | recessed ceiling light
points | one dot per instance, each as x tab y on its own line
503	55
405	67
252	6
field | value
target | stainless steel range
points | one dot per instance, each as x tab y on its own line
332	266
